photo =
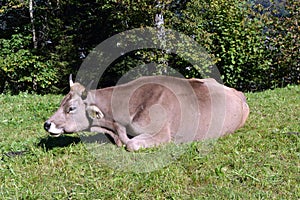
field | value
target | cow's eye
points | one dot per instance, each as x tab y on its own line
71	109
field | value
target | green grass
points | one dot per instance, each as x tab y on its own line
260	161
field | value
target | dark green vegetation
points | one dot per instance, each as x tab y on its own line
260	161
254	44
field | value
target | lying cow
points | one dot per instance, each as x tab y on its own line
152	110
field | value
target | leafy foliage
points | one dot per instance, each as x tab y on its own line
283	33
237	35
254	44
21	70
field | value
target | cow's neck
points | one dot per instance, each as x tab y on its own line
102	99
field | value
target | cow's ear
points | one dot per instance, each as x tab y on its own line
94	112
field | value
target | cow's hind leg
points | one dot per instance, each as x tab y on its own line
149	140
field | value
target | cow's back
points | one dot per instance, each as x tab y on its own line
193	109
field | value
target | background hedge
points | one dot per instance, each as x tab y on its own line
254	44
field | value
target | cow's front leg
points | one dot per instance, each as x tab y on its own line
121	130
149	140
115	137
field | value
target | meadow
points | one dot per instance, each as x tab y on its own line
259	161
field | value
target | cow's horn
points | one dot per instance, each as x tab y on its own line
90	85
71	81
86	90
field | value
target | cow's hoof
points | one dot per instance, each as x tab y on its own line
133	146
118	142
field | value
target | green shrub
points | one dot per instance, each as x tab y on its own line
21	70
254	44
253	49
282	20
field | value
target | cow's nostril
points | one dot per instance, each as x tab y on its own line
47	126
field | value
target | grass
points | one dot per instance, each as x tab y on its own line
260	161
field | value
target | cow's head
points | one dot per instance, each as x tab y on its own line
74	114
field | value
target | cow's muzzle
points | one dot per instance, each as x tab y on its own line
47	126
52	129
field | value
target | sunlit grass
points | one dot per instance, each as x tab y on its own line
260	161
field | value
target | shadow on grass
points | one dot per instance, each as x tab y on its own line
49	142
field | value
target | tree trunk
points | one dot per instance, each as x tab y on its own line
32	24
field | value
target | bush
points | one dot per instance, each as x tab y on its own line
254	44
21	70
283	33
253	49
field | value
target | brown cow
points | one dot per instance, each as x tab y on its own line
152	110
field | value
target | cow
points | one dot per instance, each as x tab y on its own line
152	110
